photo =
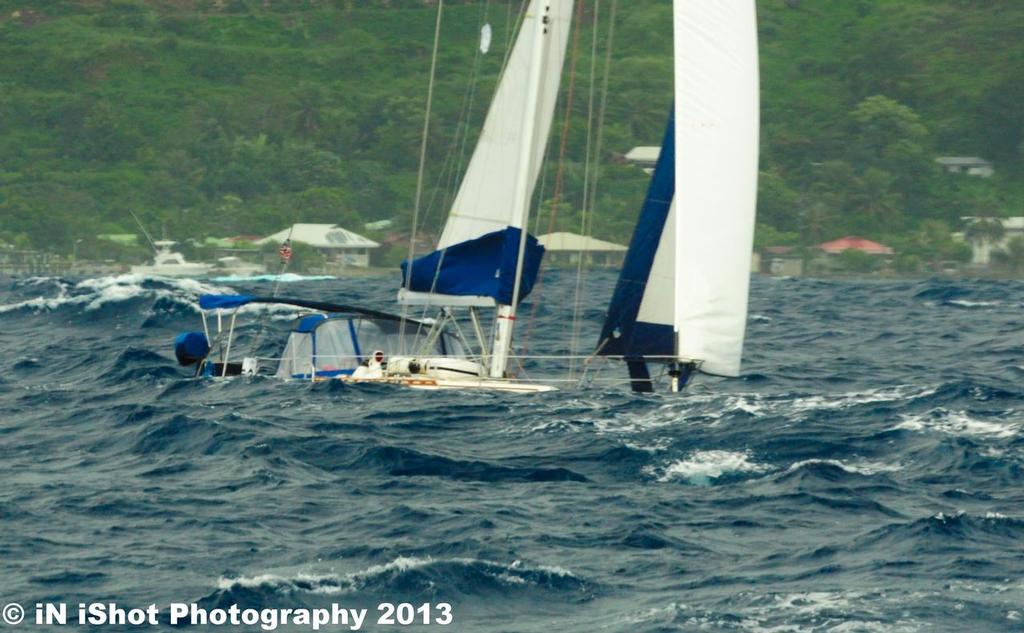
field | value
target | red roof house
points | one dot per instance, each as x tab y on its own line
855	243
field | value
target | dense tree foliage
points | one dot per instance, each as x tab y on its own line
229	117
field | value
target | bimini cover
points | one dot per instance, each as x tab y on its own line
335	345
211	302
484	267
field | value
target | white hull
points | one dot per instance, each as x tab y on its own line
167	263
437	373
437	384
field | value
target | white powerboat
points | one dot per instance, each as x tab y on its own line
169	263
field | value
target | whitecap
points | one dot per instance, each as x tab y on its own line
856	468
963	303
333	583
703	466
94	293
958	423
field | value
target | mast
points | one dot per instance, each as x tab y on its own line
506	313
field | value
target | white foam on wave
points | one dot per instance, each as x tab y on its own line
703	466
959	423
831	402
833	611
96	292
711	409
963	303
856	468
332	583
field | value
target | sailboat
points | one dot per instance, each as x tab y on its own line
484	259
681	298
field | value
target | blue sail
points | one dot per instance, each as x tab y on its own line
485	267
622	334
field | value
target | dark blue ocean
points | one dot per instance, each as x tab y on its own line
865	474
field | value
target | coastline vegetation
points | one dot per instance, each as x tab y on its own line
239	117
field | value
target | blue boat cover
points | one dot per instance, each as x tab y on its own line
309	323
191	347
211	302
622	335
484	267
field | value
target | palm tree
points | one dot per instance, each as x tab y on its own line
1012	255
875	201
982	234
308	107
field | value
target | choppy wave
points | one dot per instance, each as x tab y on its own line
864	474
704	466
414	576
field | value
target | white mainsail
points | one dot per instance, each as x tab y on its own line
486	198
716	140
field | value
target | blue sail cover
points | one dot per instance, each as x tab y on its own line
622	335
483	267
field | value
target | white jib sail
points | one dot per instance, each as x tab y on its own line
484	202
658	303
717	119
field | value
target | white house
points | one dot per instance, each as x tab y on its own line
970	165
565	248
645	156
981	251
337	244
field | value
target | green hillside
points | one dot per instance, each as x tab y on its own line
240	116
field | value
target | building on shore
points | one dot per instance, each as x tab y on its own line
970	165
780	261
984	245
644	156
867	255
339	246
563	249
854	243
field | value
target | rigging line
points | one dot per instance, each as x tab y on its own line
477	63
556	195
261	323
587	167
513	28
588	217
144	231
454	160
422	168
